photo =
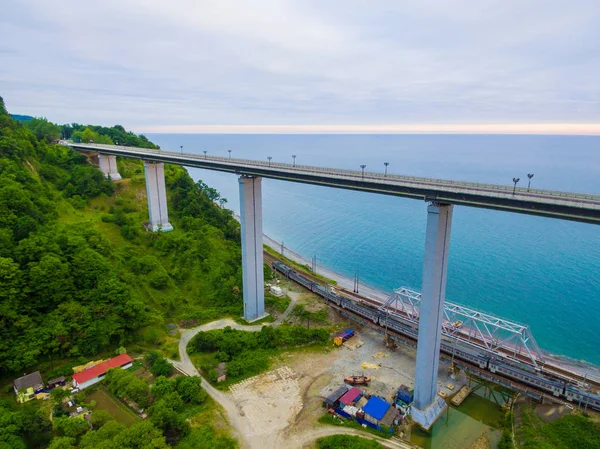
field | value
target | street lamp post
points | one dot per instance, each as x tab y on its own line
515	180
529	175
229	151
294	156
386	166
363	166
205	153
269	157
181	146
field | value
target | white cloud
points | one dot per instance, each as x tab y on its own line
149	63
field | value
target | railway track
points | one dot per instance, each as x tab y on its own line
548	367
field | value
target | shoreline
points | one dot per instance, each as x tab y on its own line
564	361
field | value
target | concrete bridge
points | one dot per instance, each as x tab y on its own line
441	195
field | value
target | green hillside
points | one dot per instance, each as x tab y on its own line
78	273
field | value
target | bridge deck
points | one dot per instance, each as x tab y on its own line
548	203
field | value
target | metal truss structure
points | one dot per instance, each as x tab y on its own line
490	333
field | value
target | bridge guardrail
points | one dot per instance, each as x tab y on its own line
380	178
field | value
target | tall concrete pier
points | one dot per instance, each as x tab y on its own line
157	197
108	166
252	247
427	404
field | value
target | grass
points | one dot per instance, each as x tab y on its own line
303	268
205	361
276	303
346	441
572	431
106	401
303	316
333	421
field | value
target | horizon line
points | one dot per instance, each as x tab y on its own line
583	129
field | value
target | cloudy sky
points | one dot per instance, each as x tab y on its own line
185	65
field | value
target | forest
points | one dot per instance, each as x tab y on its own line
79	278
77	274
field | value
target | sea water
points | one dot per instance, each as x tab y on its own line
538	271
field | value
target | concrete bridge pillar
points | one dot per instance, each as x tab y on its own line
108	166
252	247
157	197
427	404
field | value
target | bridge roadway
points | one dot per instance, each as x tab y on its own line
548	203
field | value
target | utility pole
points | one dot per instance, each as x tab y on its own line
386	166
363	166
282	247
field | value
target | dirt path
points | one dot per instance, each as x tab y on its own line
185	364
307	437
242	425
294	297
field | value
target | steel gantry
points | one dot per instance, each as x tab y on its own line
490	333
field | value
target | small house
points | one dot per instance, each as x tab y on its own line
95	374
375	410
58	382
333	400
391	417
28	386
350	397
221	372
404	394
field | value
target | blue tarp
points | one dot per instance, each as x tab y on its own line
376	407
347	334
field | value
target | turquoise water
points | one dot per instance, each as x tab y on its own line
534	270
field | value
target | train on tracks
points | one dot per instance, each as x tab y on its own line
551	385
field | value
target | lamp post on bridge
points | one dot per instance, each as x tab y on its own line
181	146
515	180
363	166
294	156
205	153
229	151
386	166
529	175
269	157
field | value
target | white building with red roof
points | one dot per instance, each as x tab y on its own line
97	372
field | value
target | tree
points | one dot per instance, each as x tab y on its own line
72	428
43	129
62	443
58	395
159	366
162	386
190	390
204	437
163	415
100	418
9	429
